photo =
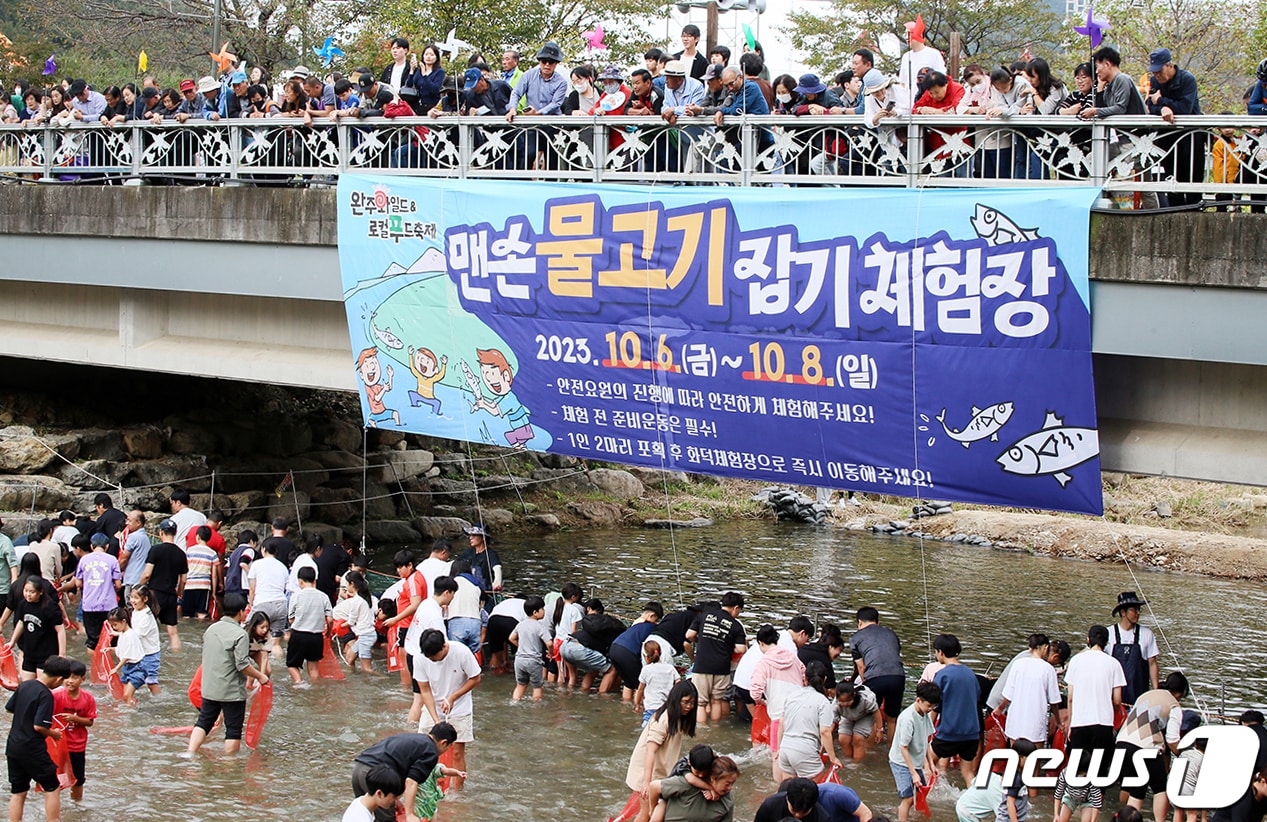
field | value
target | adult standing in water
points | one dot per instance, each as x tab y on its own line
486	566
1134	646
877	652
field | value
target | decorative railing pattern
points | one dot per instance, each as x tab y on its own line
1121	153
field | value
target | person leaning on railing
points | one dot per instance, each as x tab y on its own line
942	95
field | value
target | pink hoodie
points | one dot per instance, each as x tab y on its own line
778	673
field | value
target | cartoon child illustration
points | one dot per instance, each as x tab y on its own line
498	377
429	371
371	372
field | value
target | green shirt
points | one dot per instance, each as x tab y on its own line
225	655
8	559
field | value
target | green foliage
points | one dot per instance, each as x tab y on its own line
991	31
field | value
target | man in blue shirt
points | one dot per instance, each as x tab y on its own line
1171	91
544	90
746	98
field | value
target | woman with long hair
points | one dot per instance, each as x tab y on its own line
660	743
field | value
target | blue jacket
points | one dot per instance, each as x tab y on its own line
1180	94
1257	105
752	101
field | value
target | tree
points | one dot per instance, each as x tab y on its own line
991	31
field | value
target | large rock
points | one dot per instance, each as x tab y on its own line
433	528
453	464
344	462
558	461
385	438
380	501
396	466
143	442
287	437
600	513
45	493
22	452
620	484
91	475
543	520
101	444
190	473
495	519
498	485
248	503
330	534
657	478
391	531
459	492
340	505
562	479
289	505
338	434
191	439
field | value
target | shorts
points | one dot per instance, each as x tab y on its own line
33	766
467	631
1091	738
1156	767
862	726
364	645
149	667
132	674
628	665
518	436
234	716
796	761
499	630
888	691
711	687
464	725
646	715
902	776
168	614
77	761
964	749
197	602
584	660
304	646
743	696
33	662
278	620
383	416
529	672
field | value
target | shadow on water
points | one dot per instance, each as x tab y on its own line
565	758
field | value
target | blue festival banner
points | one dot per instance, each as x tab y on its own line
930	344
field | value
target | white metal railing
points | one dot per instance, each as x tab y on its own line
1120	153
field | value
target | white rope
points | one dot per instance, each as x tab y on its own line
919	489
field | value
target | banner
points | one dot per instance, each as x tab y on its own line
918	343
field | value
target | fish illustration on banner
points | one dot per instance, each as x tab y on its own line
736	331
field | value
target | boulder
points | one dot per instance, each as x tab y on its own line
289	505
453	465
191	439
44	493
143	442
345	462
391	531
657	477
339	505
433	528
381	437
338	434
602	514
620	484
22	452
557	461
452	490
286	438
395	466
495	519
190	473
562	479
91	475
499	485
242	503
380	501
101	444
330	534
543	520
698	522
237	437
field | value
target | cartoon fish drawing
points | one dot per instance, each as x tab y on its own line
1051	451
983	424
995	228
385	335
473	383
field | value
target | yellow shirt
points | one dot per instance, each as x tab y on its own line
427	385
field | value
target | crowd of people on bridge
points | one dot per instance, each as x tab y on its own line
450	630
720	84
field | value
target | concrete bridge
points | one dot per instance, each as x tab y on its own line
243	284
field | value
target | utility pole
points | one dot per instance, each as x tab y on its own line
952	59
710	33
215	29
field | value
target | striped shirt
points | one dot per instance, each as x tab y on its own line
201	562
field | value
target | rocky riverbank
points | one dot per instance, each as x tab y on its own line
256	452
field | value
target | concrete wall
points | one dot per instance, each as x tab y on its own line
1188	248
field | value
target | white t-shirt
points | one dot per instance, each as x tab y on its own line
129	647
449	674
428	615
397	76
146	628
304	560
186	519
1031	689
269	576
659	678
466	602
995	699
432	568
65	533
393	591
357	613
1091	678
912	61
572	614
1147	641
357	812
786	641
747	664
513	608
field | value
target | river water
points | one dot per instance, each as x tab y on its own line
565	758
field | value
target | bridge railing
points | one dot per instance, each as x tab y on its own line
1118	154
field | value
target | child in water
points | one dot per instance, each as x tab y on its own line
145	626
129	669
356	608
78	709
655	680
